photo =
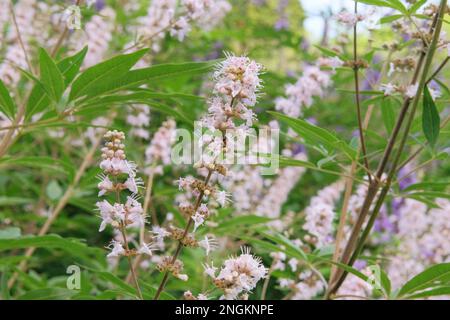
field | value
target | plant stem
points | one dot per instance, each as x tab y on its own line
130	262
420	149
59	207
180	242
19	37
62	37
357	98
147	201
349	255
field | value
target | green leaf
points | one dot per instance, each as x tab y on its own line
436	275
48	294
107	276
430	118
51	77
388	114
70	66
4	286
435	186
397	4
95	76
394	4
46	163
71	246
135	78
316	135
289	247
416	6
7	105
385	282
12	201
241	222
392	18
54	190
327	52
440	291
10	233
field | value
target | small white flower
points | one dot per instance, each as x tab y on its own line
159	233
208	244
222	197
133	183
72	16
391	69
388	89
117	249
198	220
210	270
202	296
293	264
183	277
145	249
335	62
411	90
434	93
105	185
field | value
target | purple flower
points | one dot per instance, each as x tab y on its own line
282	24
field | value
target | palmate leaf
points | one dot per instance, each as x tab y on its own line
96	75
315	135
7	105
430	118
435	276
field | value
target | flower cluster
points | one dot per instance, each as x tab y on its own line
139	119
238	275
166	16
159	149
119	174
311	84
237	83
25	12
320	215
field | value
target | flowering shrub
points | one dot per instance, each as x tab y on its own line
224	149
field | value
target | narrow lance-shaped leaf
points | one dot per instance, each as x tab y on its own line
110	69
51	77
69	68
7	105
135	78
430	118
434	276
314	134
388	114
